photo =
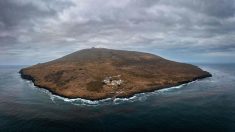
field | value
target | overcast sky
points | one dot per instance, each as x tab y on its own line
33	31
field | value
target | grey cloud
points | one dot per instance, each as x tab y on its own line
62	26
216	8
13	13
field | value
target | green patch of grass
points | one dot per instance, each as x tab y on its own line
58	78
95	86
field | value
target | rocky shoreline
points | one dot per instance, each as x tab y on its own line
99	73
150	89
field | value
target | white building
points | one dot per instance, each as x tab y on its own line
113	82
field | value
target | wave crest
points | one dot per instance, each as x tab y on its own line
108	101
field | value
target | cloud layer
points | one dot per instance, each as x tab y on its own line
185	30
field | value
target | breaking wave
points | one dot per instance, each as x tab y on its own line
108	101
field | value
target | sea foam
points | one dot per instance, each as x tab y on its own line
107	101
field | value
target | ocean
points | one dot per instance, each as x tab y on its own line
206	105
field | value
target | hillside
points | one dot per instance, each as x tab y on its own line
99	73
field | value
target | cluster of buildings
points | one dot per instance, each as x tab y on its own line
113	81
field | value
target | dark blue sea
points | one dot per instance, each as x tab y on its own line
206	105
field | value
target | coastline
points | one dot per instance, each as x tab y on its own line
150	89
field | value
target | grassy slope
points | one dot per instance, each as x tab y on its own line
80	74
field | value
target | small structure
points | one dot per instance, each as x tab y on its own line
113	81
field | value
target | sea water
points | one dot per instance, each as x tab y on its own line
203	105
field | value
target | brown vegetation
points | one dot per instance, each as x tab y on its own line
81	74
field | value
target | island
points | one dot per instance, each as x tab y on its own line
99	73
